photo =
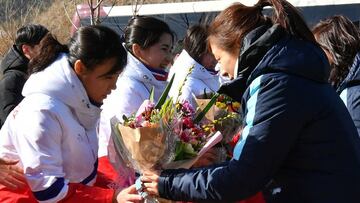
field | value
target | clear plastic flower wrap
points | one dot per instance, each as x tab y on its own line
144	148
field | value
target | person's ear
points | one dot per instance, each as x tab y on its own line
26	50
79	68
136	50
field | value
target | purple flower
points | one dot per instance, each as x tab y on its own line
138	121
187	108
146	107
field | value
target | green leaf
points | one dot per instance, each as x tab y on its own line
189	150
165	93
125	119
201	115
183	83
179	152
163	108
151	98
184	151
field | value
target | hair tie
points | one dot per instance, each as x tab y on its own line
259	7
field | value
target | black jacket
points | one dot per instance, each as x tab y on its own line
14	70
299	143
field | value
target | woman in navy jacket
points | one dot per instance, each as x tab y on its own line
299	143
340	39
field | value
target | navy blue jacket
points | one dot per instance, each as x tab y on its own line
298	144
14	70
349	91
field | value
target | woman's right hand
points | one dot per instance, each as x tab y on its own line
11	176
128	195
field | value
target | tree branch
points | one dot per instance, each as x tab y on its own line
68	16
107	15
98	4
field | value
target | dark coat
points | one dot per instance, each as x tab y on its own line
14	70
349	91
298	144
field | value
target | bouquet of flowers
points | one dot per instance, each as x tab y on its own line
224	116
162	135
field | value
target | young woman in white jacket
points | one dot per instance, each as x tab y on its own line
203	78
53	131
149	42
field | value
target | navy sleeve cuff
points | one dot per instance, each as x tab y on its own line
162	186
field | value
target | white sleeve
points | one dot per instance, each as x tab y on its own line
124	100
38	141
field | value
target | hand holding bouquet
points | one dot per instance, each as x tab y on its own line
162	135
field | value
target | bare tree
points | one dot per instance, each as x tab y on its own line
136	6
95	11
94	7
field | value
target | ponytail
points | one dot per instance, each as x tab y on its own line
235	22
288	17
50	48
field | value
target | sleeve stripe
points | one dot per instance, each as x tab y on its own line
50	192
343	96
250	115
92	175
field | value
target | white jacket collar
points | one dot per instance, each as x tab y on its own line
60	82
185	61
136	69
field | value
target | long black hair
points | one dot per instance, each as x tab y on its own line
92	45
49	51
145	31
340	38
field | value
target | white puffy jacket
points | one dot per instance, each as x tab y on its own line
132	88
198	82
53	132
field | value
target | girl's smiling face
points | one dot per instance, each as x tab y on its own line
158	55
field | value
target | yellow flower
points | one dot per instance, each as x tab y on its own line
236	105
221	105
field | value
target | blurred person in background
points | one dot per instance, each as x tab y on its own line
14	66
203	77
340	40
